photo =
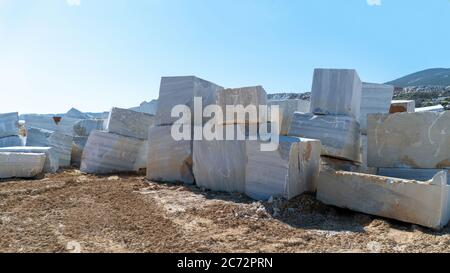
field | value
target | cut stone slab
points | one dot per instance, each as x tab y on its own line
287	172
51	164
79	142
84	127
423	203
339	135
287	109
412	174
61	143
21	165
129	123
168	160
108	153
11	141
245	96
9	124
376	98
336	92
181	91
409	140
400	106
219	165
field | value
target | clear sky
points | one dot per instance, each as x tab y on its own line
95	54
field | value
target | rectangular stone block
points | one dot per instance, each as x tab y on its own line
169	160
79	142
376	98
9	124
339	135
412	174
422	203
50	122
287	109
21	165
251	97
109	153
181	91
129	123
84	127
409	140
61	143
287	172
401	106
336	92
11	141
51	164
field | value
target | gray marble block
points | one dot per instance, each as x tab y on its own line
287	172
47	122
376	98
9	124
21	165
287	109
84	127
79	142
422	203
409	140
339	135
336	92
11	141
129	123
181	91
168	160
51	164
106	153
61	143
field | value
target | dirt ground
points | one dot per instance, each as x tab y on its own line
73	212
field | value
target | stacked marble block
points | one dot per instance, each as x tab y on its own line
9	130
334	116
171	160
122	147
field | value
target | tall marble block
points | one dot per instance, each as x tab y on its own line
9	124
422	203
21	165
400	106
339	135
376	98
410	140
287	172
10	141
51	164
412	174
108	153
168	160
336	92
287	109
129	123
181	91
84	127
61	143
251	97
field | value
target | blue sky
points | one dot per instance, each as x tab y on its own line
95	54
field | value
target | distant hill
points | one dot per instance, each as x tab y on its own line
429	77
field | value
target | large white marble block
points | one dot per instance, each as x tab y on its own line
11	141
21	165
412	174
411	140
61	143
168	160
108	153
248	97
84	127
339	135
51	164
181	91
9	124
376	98
401	106
336	92
287	172
129	123
423	203
287	109
49	122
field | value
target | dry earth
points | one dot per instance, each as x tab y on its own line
73	212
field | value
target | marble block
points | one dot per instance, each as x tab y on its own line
11	141
47	122
51	164
9	124
129	123
79	142
84	127
412	174
376	98
61	143
287	109
21	165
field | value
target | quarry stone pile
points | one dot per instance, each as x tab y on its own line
21	165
